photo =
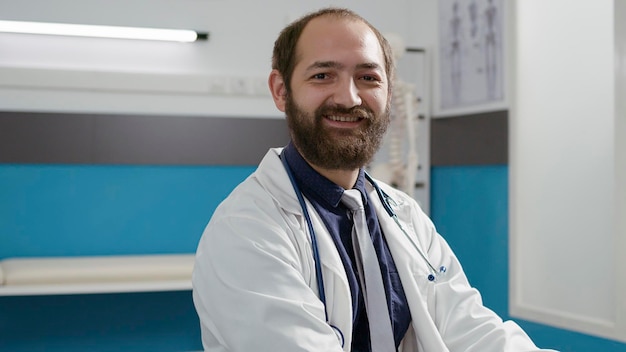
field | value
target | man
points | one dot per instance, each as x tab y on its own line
256	287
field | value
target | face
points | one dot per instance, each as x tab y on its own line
338	106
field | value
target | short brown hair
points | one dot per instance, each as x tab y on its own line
284	55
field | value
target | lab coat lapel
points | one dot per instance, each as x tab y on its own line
413	272
399	245
278	184
336	287
275	179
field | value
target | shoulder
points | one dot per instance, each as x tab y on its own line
251	199
264	203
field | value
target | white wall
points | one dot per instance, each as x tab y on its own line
43	73
79	74
620	155
567	134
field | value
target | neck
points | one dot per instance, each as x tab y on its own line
343	178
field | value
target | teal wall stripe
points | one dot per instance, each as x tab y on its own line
65	210
137	322
469	206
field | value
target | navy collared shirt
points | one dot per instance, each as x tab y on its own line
325	196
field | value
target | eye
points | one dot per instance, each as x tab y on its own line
320	76
370	78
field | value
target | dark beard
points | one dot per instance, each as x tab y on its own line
335	149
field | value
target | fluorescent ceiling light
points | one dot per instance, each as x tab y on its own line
176	35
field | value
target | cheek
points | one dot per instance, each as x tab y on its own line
309	100
377	100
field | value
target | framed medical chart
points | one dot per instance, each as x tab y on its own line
470	57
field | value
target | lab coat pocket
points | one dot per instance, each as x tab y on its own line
430	291
422	297
429	297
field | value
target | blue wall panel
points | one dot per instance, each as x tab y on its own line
469	206
66	210
158	321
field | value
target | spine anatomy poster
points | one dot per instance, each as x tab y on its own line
471	53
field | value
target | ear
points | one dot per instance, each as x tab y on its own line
278	89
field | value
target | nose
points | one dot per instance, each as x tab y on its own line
347	94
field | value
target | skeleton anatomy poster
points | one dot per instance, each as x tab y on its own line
471	54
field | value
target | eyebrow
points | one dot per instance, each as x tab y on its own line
337	65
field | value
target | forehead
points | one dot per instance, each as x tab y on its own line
348	41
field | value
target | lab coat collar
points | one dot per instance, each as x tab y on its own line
273	176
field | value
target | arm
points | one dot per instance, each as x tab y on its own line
464	323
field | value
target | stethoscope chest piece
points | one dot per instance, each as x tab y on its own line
432	277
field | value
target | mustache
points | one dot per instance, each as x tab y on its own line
358	111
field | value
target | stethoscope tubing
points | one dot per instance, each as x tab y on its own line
386	201
314	247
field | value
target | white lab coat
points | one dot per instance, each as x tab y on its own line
254	284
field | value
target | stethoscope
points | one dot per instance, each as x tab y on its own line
387	202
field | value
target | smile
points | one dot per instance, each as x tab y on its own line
344	118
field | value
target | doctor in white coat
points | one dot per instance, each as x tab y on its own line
255	280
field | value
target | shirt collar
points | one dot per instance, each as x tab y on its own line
312	182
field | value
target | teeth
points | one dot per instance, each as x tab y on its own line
344	118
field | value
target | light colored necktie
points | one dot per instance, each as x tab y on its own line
381	333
